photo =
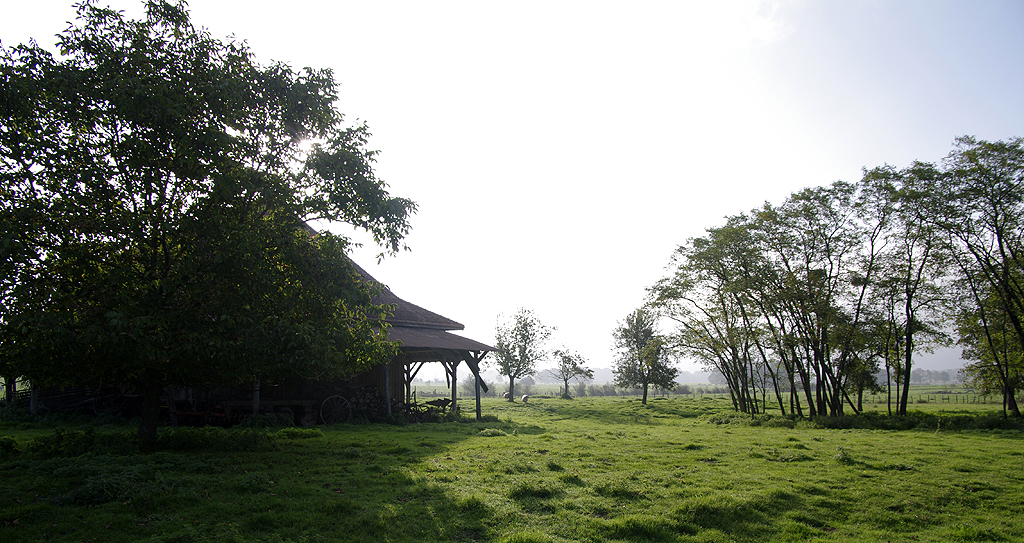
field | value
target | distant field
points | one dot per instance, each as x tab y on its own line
924	397
552	470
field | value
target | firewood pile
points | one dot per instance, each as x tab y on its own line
367	401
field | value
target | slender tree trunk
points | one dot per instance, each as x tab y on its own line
805	377
511	390
10	389
908	354
151	393
888	387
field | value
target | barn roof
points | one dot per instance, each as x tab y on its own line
417	327
407	314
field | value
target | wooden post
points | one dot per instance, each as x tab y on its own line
387	388
476	383
455	383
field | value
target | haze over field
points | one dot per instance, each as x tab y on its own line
559	152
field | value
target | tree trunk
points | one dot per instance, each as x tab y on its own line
511	390
905	397
33	399
151	393
10	389
644	400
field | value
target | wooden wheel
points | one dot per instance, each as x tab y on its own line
335	409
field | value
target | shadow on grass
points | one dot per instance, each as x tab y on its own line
347	483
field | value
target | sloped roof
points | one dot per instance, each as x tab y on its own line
409	315
434	339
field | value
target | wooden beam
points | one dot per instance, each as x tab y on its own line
474	366
455	383
473	360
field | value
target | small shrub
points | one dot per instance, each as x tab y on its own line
71	443
8	446
571	479
843	457
531	490
216	439
255	482
299	433
492	432
107	487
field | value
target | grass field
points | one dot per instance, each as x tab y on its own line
590	469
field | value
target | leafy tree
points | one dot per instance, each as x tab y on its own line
978	208
996	353
906	282
520	345
708	298
570	366
167	178
644	358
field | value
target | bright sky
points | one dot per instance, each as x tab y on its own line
560	151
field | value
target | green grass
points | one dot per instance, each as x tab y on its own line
588	469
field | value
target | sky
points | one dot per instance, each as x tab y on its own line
559	151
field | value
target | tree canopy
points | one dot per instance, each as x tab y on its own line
643	358
521	345
157	184
568	366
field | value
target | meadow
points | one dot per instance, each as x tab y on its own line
553	470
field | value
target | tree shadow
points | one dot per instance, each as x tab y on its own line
350	483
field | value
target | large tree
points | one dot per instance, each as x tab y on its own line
520	345
165	179
643	357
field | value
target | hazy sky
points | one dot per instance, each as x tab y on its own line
560	151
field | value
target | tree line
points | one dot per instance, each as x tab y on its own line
810	299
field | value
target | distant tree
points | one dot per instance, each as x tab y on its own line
162	179
643	359
570	366
520	345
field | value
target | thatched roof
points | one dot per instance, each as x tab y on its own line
417	327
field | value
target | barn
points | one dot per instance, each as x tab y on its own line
384	390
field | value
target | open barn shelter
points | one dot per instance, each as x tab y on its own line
425	337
